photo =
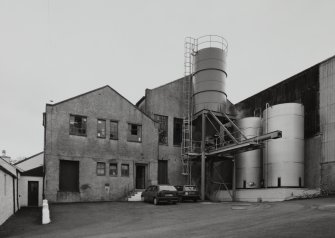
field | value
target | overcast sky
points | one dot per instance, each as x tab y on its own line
56	49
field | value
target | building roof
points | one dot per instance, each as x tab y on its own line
290	78
25	159
107	86
8	168
35	172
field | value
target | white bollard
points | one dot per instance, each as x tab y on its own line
45	212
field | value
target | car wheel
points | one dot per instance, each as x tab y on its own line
155	201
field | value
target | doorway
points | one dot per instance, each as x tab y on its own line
33	193
140	176
162	172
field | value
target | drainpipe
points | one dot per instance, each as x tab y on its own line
17	189
13	193
267	105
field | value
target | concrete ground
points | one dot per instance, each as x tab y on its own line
299	218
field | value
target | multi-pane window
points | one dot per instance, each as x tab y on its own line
101	128
162	129
113	130
134	132
113	169
101	168
125	170
78	125
177	131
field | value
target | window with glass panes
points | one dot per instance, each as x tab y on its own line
101	168
78	125
125	170
113	130
162	129
113	169
101	128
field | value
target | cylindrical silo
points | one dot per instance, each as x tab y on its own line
209	75
249	164
284	157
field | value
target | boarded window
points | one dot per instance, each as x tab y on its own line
101	168
113	130
101	128
134	133
69	176
113	169
78	125
177	131
125	170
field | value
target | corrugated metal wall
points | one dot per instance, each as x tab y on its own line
301	88
327	110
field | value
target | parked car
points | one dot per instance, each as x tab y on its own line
160	193
188	192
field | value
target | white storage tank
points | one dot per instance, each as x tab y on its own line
249	164
284	157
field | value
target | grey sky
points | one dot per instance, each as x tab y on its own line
56	49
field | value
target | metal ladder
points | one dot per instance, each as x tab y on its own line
189	49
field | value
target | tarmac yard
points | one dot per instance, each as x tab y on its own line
299	218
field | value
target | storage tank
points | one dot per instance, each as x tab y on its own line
284	157
249	164
209	76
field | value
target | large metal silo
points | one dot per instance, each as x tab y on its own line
249	164
284	158
209	76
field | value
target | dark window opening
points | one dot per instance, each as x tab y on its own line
78	125
101	168
101	130
113	130
244	184
279	182
162	129
134	133
177	131
113	169
125	170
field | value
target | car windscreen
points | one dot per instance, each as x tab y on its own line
167	188
190	188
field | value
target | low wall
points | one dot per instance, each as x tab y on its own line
265	195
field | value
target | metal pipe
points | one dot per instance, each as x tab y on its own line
203	161
234	179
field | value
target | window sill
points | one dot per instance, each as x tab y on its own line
134	141
78	135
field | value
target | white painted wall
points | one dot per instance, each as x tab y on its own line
23	190
31	163
6	196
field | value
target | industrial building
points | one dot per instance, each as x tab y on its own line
270	146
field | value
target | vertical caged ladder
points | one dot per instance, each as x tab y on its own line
189	49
